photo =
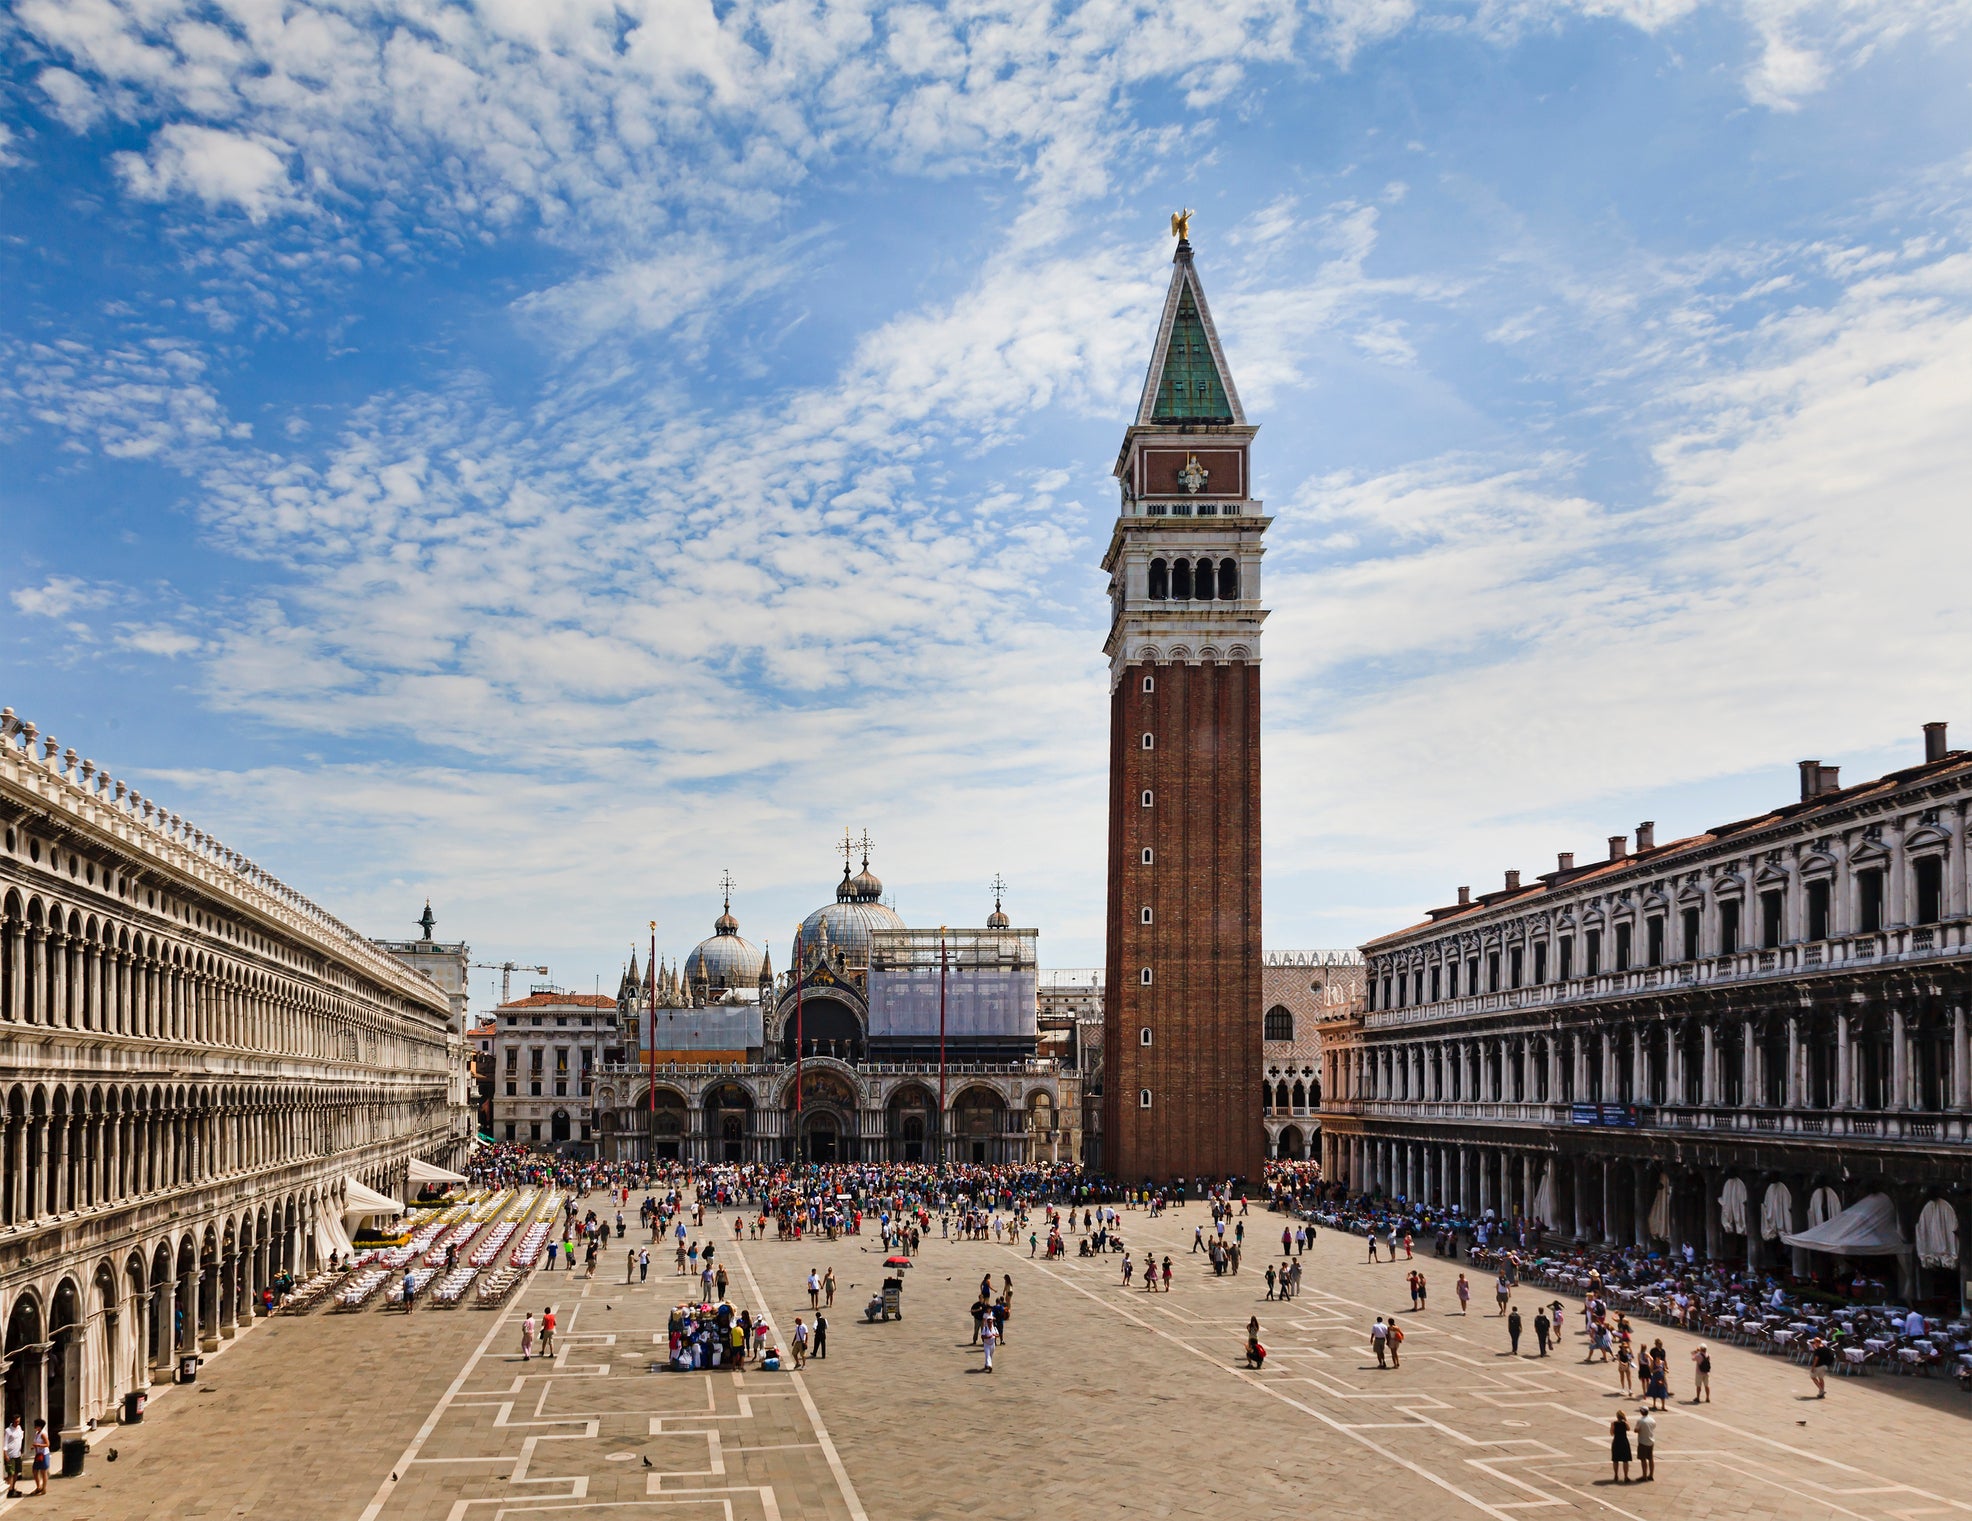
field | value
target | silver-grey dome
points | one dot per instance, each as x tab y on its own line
858	909
726	961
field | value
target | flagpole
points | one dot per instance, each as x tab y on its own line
800	1041
650	1050
943	1148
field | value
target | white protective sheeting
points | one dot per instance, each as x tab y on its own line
1776	1211
1937	1235
1823	1204
1867	1228
1732	1207
1544	1206
429	1172
1660	1209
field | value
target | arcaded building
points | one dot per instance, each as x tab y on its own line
1729	1040
1183	1056
200	1071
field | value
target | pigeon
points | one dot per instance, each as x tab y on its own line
646	1462
393	1478
111	1454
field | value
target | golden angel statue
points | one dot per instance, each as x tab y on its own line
1181	224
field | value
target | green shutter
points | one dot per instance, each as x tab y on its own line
1190	390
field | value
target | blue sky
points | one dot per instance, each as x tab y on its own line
540	455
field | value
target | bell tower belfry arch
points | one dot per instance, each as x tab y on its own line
1182	1023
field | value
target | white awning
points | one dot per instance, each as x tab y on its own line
1732	1207
1776	1211
1867	1228
1823	1204
428	1172
360	1202
1937	1235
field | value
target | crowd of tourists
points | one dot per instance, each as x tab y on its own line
1849	1327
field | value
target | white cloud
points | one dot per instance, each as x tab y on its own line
219	168
59	596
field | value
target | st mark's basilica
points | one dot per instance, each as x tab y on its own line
880	1042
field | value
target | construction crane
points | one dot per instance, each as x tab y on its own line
506	969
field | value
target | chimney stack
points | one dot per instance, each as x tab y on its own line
1619	846
1465	897
1513	881
1934	742
1646	836
1810	780
1564	860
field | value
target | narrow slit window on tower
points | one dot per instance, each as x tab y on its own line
1143	915
1150	742
1143	976
1146	855
1160	581
1150	683
1229	580
1143	1036
1146	797
1143	1098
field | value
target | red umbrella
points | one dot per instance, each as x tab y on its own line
897	1262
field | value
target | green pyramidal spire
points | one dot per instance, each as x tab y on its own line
1189	389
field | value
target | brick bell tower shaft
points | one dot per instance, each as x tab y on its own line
1182	1028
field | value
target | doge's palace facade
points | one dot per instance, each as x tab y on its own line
195	1063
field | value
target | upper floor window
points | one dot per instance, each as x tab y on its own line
1818	909
1623	947
1436	974
1729	927
1540	962
1654	936
1930	883
1592	953
1691	934
1515	959
1181	580
1869	900
1229	580
1771	904
1567	967
1160	586
1279	1024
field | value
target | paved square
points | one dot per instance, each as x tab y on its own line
1105	1402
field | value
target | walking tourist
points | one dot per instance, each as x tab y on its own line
1542	1327
1821	1357
989	1338
1701	1378
1513	1331
821	1336
526	1337
1464	1292
1379	1342
548	1332
40	1456
15	1444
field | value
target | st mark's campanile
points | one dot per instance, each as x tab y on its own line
1182	1053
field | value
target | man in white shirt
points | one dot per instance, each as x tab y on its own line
1914	1324
989	1338
1646	1443
16	1442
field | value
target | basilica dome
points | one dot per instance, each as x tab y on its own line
858	909
726	962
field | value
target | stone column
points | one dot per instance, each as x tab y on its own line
1899	1061
1608	1204
1844	1077
1793	1094
1961	1061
